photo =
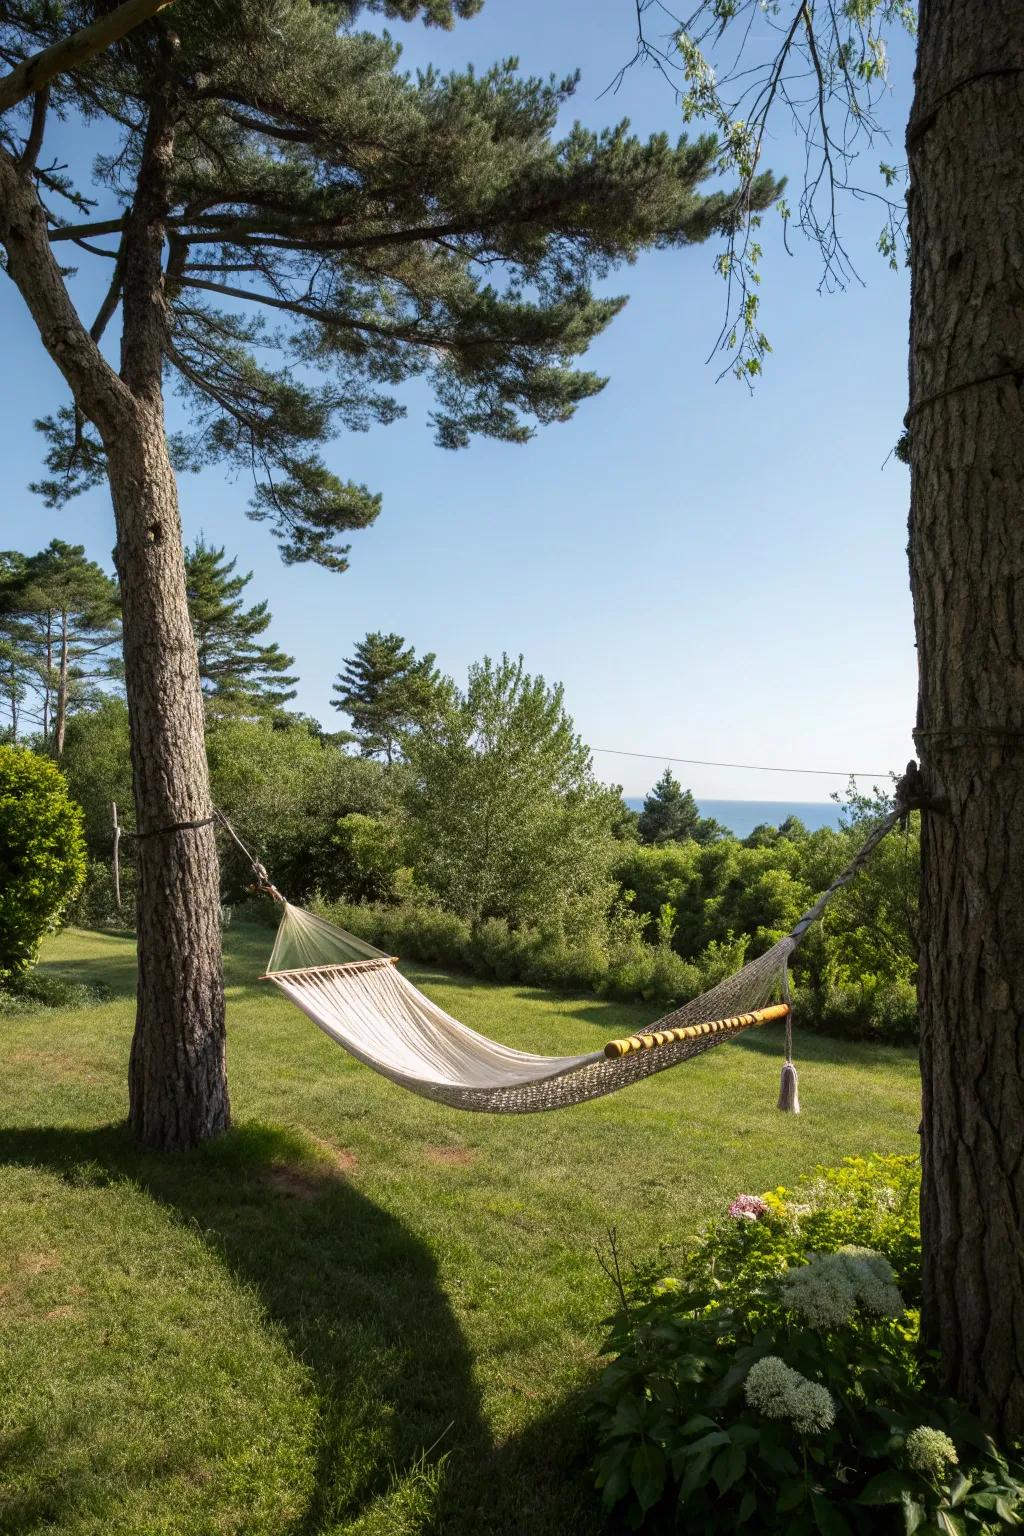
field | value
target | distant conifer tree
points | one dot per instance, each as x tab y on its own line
670	813
61	622
240	675
387	691
17	671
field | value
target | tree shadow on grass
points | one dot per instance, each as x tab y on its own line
359	1301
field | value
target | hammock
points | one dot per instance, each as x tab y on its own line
357	996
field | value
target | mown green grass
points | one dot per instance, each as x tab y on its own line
359	1312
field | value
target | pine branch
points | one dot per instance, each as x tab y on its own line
79	231
273	130
33	268
34	142
321	316
111	299
74	51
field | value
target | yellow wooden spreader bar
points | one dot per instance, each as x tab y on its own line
691	1031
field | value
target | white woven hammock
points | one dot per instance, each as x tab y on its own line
356	994
367	1005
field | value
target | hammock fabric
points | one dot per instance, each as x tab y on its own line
356	994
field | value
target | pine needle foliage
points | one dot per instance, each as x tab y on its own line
336	227
670	814
240	673
387	691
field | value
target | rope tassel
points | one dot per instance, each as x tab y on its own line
789	1090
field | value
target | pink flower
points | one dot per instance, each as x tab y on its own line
748	1208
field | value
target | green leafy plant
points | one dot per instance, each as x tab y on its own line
775	1382
38	993
42	855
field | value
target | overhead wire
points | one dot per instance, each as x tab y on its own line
705	762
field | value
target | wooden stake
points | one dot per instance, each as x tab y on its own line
116	859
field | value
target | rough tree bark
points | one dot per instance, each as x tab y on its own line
177	1077
966	442
177	1083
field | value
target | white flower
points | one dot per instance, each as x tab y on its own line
779	1392
930	1451
875	1282
828	1288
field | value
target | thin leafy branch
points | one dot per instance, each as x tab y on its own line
818	66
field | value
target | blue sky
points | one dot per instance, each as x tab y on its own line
711	574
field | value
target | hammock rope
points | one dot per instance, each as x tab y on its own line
357	995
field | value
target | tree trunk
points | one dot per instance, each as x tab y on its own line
49	676
966	441
178	1094
177	1081
177	1077
62	690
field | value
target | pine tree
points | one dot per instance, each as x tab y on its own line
670	813
387	692
270	161
64	618
239	674
18	674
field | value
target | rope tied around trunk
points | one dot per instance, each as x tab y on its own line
173	826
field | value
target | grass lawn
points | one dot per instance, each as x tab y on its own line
359	1312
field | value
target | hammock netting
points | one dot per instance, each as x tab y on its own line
357	995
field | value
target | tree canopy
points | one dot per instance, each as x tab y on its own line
60	622
346	220
507	819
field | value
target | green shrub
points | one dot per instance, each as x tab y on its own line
874	1008
620	964
36	992
775	1382
411	931
42	855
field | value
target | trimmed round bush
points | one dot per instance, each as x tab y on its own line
42	855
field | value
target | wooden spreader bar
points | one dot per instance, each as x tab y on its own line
332	970
616	1048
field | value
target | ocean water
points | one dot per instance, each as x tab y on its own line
742	816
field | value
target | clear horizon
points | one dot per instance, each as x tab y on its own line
711	574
